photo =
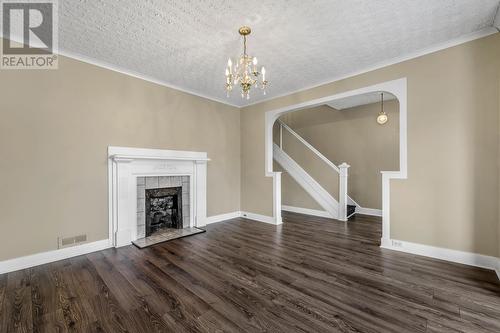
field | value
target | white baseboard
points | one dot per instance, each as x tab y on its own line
259	218
368	211
461	257
247	215
322	213
16	264
222	217
307	211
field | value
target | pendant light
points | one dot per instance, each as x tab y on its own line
382	116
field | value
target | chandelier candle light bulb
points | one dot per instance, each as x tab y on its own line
245	72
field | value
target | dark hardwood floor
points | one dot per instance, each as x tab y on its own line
308	275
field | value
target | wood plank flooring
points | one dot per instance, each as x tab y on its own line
308	275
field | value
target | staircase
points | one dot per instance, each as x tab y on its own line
309	184
341	209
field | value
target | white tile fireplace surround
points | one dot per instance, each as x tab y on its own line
127	165
156	182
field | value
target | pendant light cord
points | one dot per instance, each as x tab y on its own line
382	104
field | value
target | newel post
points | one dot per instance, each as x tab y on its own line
343	191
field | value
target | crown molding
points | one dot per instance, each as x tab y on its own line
496	22
432	49
128	72
435	48
438	47
138	75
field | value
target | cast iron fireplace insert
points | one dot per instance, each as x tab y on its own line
163	209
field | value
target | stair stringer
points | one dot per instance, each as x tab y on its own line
309	184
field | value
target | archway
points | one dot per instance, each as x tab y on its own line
398	88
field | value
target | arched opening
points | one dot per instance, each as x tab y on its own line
349	114
322	138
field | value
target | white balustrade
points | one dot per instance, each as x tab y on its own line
341	169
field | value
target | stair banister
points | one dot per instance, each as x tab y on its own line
341	170
281	135
343	191
308	145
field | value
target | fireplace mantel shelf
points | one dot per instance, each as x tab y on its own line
129	158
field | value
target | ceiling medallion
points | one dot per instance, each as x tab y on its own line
245	72
382	116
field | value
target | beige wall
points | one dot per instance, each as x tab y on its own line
55	128
292	194
450	198
71	115
350	135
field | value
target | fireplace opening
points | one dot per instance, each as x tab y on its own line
163	209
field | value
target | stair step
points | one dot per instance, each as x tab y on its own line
351	209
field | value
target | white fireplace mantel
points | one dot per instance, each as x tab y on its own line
126	164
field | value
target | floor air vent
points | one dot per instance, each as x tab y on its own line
71	241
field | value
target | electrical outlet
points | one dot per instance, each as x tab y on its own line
397	243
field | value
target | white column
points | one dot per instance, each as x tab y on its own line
121	222
277	198
343	191
201	193
386	226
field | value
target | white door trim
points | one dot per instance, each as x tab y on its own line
396	87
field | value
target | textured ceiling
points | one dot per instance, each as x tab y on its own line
301	43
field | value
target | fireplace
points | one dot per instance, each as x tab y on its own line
153	169
171	196
163	209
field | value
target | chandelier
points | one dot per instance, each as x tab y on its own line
245	72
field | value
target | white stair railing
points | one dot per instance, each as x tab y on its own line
341	170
